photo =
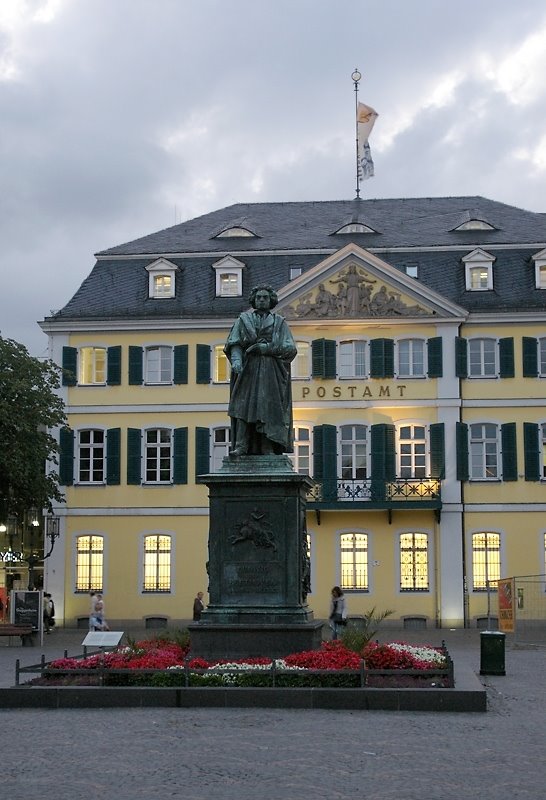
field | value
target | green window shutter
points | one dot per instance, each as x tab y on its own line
506	357
530	357
381	358
180	455
180	363
461	358
202	373
113	366
323	358
325	459
383	458
66	457
435	360
509	452
437	450
136	355
202	451
531	442
70	366
134	456
461	434
113	451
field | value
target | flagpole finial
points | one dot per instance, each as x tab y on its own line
356	76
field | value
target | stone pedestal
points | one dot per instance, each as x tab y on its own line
258	564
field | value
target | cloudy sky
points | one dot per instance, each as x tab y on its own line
122	117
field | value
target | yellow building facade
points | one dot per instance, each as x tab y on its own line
418	403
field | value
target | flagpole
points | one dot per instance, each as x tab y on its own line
356	76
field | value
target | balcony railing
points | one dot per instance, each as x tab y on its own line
373	493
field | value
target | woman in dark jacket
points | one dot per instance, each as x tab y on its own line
338	611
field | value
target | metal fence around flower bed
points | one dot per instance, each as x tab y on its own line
184	676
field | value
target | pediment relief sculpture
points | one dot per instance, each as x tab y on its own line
352	294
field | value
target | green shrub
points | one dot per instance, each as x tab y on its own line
356	637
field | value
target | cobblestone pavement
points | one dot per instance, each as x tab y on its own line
201	754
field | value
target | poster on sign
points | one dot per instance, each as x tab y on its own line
506	605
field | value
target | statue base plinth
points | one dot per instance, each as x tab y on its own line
221	641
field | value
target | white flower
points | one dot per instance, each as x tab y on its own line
422	653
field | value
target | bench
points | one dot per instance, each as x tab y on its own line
26	632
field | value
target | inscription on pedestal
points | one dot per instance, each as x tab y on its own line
249	578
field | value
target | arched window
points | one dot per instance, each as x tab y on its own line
354	561
89	563
157	563
414	562
485	561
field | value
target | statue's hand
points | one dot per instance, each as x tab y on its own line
236	365
258	347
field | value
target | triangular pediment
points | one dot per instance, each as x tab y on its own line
356	284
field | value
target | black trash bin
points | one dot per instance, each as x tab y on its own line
492	648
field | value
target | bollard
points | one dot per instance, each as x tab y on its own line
492	647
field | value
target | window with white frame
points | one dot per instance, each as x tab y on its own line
157	563
300	365
482	358
414	560
159	364
354	561
412	451
355	227
161	279
221	440
412	271
478	271
158	455
542	357
92	365
229	277
301	457
475	225
540	269
236	232
295	272
485	561
353	358
411	358
89	563
484	451
221	366
353	465
91	456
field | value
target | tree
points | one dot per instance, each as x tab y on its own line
29	408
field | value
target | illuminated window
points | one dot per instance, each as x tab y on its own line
478	271
222	367
352	359
412	451
485	561
540	269
158	446
411	358
414	562
163	286
478	277
93	365
300	365
354	561
229	284
91	456
301	457
484	451
482	358
221	439
159	364
89	563
229	277
157	564
161	279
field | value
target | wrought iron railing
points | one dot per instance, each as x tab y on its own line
378	492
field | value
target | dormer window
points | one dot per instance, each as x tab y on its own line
229	277
475	225
235	232
355	227
478	271
540	269
295	272
161	279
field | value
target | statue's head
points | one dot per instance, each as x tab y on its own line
263	288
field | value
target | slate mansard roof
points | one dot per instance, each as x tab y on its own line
407	232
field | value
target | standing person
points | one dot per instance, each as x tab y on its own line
48	612
102	625
92	620
338	611
260	348
198	607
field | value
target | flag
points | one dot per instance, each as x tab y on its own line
365	118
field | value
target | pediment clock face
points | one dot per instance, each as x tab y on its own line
353	293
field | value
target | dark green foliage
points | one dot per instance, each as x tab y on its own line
29	407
